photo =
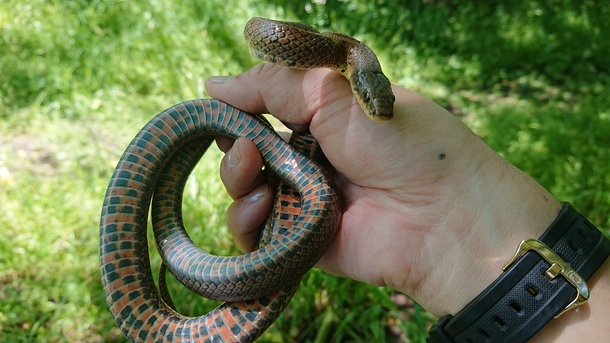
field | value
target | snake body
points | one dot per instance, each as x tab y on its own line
158	156
257	286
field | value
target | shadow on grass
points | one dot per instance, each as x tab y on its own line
563	41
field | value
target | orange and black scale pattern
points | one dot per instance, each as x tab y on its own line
258	285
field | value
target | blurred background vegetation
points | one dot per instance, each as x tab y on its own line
79	78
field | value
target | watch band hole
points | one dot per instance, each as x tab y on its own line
501	323
532	291
574	248
484	334
581	231
516	307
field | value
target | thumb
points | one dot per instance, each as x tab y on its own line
293	96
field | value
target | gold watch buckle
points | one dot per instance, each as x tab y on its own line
558	267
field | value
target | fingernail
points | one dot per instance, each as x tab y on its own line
260	193
220	79
233	156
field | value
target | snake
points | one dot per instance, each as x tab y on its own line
151	174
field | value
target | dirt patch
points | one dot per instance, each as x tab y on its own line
26	153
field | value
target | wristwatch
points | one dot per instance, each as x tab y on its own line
546	277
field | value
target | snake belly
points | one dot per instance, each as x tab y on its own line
156	162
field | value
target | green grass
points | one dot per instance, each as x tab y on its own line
79	78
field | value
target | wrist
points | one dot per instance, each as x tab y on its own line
499	206
548	277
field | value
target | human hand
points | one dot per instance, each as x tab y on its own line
428	208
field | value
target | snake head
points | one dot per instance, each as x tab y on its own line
373	91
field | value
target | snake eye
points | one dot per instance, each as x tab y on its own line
366	96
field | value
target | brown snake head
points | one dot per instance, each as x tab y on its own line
373	91
301	46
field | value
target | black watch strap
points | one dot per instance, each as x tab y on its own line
531	292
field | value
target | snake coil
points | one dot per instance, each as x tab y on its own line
153	162
155	166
